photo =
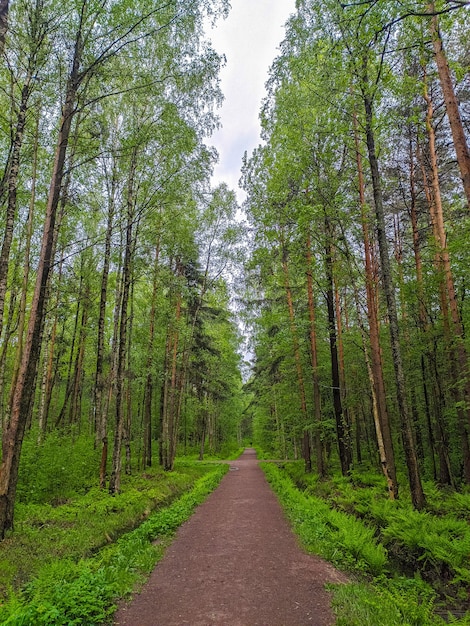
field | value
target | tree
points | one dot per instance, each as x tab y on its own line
97	36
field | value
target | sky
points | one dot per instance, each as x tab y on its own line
249	38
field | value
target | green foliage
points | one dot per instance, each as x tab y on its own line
227	451
86	523
400	602
66	592
56	469
338	537
435	546
438	547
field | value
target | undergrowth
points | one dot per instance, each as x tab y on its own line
67	592
84	523
363	535
435	542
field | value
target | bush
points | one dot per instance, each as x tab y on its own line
56	469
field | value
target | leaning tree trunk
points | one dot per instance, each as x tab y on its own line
445	473
452	106
24	390
459	357
422	314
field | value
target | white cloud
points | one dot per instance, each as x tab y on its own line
249	38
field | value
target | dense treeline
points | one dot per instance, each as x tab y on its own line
114	315
358	201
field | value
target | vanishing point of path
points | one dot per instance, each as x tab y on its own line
235	562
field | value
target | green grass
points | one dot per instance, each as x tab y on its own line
399	602
435	542
82	591
336	536
84	523
352	524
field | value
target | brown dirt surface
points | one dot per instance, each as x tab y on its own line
235	562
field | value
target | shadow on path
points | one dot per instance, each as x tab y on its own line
235	562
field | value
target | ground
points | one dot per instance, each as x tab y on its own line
236	562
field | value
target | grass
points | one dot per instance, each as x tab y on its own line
70	588
405	564
435	542
84	523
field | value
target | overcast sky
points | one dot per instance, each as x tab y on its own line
249	38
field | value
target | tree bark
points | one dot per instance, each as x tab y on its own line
24	390
170	405
77	383
459	357
298	362
379	399
12	184
4	7
115	477
99	416
317	442
344	443
27	263
451	103
417	494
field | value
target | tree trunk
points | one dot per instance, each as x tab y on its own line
344	444
99	416
148	389
417	494
4	6
69	382
298	362
12	185
24	390
171	387
459	358
111	379
379	399
451	103
115	478
9	332
77	383
27	264
317	442
128	419
341	365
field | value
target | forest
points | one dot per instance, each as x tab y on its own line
145	324
358	205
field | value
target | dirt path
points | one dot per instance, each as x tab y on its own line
235	563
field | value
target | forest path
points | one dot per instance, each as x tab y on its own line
235	562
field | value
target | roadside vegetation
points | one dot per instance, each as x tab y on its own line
76	549
406	567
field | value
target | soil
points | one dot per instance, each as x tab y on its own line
236	562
